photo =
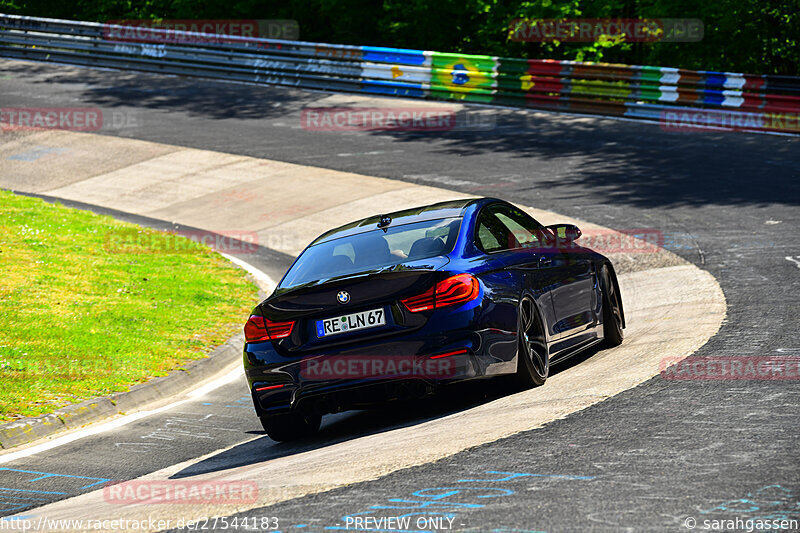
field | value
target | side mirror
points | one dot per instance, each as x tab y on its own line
565	233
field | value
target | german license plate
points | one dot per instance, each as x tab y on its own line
351	322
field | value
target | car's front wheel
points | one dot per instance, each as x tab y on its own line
290	426
533	361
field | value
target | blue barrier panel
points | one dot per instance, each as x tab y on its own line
397	56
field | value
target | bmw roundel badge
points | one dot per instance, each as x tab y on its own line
343	297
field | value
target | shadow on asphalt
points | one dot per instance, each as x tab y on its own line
351	425
176	93
606	156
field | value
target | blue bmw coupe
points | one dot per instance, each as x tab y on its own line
392	306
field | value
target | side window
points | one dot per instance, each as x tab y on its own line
491	235
501	227
527	233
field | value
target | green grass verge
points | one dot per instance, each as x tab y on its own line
90	305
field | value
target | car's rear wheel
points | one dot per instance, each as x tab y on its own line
612	310
290	426
533	361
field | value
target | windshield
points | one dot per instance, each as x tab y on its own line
373	249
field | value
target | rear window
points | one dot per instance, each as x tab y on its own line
373	249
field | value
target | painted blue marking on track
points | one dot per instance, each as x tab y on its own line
512	475
428	504
456	490
206	403
434	501
435	496
102	480
509	475
35	153
32	491
563	476
13	507
758	502
45	475
27	498
245	402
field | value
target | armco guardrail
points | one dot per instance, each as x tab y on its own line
676	97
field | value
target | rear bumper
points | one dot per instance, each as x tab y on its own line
465	345
336	382
336	397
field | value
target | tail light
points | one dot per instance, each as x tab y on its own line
454	290
259	329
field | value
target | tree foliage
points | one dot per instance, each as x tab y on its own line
756	36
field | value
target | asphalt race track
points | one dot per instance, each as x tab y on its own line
644	460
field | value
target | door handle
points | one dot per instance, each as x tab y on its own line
545	261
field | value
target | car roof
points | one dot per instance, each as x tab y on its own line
448	209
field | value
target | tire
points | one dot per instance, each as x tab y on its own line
533	359
292	426
612	310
